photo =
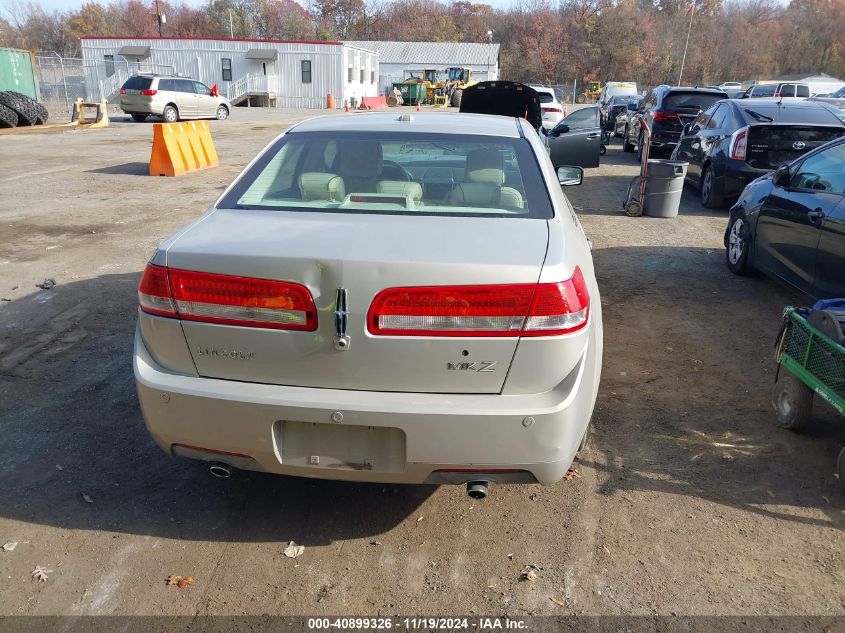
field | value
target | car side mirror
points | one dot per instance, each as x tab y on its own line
560	129
781	176
569	176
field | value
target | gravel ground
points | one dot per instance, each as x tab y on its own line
689	500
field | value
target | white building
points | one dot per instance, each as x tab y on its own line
397	57
252	72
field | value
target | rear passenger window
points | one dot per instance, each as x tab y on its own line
582	119
717	122
184	85
166	85
802	91
823	172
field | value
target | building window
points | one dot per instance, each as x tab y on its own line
363	70
372	76
227	69
349	75
109	59
306	71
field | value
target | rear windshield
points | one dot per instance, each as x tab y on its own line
545	97
623	99
790	115
396	174
763	91
138	83
690	100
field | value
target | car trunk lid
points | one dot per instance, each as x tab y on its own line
356	257
770	146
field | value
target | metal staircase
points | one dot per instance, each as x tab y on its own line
251	85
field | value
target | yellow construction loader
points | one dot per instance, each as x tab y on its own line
457	80
591	93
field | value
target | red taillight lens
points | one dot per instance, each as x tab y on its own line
660	117
225	299
148	93
154	294
501	310
739	144
551	110
123	91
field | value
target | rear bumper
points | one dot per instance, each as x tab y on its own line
737	175
420	438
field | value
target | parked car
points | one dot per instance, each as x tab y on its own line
785	91
614	88
662	114
576	140
405	299
733	142
836	99
791	224
729	85
620	126
734	93
551	108
171	98
613	107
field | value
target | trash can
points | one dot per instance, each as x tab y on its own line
663	188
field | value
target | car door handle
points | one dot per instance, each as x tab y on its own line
593	136
816	216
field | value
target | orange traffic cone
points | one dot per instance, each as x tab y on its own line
346	106
565	113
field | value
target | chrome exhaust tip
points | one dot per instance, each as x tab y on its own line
477	489
221	470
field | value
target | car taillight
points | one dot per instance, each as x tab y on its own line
154	294
666	116
551	110
225	299
148	93
123	91
544	309
739	144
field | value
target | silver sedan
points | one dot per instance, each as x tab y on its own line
379	298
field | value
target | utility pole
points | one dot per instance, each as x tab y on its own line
231	26
691	12
159	19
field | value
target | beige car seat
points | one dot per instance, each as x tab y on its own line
320	186
484	179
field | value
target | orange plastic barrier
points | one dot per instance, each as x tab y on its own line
330	101
373	103
181	147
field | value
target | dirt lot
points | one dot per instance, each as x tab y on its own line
689	500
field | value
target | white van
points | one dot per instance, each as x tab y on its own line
613	88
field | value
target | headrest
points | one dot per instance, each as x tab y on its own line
401	188
485	166
320	186
359	159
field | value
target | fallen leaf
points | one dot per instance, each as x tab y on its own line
558	601
86	498
185	582
293	550
40	573
571	474
172	580
9	546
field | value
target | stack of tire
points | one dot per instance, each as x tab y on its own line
17	110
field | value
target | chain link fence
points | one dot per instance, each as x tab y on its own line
63	80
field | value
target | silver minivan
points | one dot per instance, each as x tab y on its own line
171	98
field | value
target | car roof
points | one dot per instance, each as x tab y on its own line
418	123
715	91
786	111
545	89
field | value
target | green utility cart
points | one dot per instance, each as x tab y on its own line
809	363
412	94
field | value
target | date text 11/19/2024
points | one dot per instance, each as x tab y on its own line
417	624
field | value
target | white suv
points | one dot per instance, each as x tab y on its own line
552	108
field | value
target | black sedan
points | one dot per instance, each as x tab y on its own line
620	125
611	109
791	224
733	142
